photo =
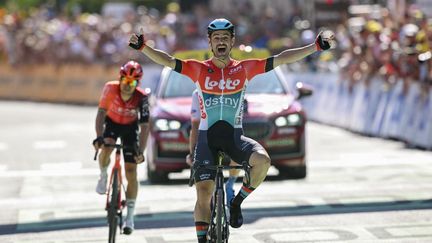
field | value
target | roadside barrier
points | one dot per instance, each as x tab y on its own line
71	83
377	109
50	83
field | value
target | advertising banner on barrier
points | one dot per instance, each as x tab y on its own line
75	83
375	110
50	83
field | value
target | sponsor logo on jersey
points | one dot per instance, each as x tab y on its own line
201	106
221	84
235	70
226	101
126	111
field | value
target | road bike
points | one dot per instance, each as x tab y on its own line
218	231
115	201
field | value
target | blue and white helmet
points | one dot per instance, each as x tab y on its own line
220	24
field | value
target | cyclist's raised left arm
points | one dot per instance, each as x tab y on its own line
296	54
137	42
293	55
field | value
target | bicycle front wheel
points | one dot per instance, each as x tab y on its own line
113	218
221	220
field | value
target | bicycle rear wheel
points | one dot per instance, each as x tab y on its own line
113	217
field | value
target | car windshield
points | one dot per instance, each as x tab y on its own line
181	86
178	85
266	83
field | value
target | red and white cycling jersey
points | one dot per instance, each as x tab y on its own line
221	91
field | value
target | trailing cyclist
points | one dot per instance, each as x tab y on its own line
221	82
123	113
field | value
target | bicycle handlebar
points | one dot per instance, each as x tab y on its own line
117	146
244	166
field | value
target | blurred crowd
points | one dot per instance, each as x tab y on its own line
368	44
43	35
392	48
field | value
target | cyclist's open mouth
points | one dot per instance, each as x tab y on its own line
221	49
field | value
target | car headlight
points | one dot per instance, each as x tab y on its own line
289	120
294	119
281	121
167	125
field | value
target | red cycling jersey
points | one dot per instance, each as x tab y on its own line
120	111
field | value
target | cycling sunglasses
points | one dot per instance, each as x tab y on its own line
131	82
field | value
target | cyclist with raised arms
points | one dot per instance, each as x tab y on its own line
123	112
221	82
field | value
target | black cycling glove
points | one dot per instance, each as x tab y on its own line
140	43
99	141
321	44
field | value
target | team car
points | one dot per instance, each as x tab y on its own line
273	116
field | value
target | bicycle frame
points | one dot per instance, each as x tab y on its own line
114	201
116	171
219	227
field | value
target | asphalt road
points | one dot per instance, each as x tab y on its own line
358	189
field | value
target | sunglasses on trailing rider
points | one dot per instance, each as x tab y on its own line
130	82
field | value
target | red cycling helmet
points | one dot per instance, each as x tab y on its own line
131	70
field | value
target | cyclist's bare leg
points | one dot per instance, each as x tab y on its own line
202	210
104	161
260	163
131	176
131	195
202	206
104	156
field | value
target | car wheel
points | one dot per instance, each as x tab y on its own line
292	172
156	177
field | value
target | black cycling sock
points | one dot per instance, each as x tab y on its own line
201	231
243	193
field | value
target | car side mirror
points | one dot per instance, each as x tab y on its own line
303	90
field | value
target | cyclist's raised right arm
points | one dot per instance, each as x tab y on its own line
137	42
159	57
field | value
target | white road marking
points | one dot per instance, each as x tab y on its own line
3	168
51	144
410	231
347	160
67	166
3	146
48	173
